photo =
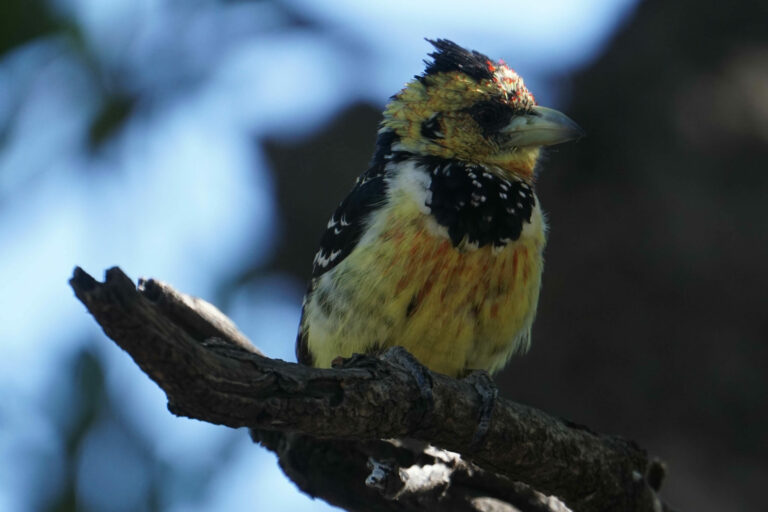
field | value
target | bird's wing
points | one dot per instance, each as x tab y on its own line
342	234
347	223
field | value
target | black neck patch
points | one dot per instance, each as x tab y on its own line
475	205
452	57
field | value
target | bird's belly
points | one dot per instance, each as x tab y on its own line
454	309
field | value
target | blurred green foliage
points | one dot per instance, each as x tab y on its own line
114	112
24	20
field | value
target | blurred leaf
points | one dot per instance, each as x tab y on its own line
113	114
24	20
293	16
88	373
88	403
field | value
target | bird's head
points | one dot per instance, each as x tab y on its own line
468	107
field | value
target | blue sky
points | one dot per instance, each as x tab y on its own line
172	195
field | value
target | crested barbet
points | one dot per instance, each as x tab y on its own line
438	247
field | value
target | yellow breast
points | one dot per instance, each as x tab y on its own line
454	308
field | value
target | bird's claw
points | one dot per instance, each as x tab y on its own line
488	392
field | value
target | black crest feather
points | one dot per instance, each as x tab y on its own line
452	57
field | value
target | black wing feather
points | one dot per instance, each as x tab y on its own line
346	227
348	222
340	238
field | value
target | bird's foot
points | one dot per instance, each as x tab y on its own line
419	372
488	392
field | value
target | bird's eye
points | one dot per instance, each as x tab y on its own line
487	115
490	115
431	128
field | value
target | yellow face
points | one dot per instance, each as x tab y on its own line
469	108
465	117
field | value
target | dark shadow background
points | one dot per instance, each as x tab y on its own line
652	322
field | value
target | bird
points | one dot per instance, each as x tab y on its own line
438	248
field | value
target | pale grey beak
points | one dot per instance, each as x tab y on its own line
541	127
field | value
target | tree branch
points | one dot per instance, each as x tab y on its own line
211	372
